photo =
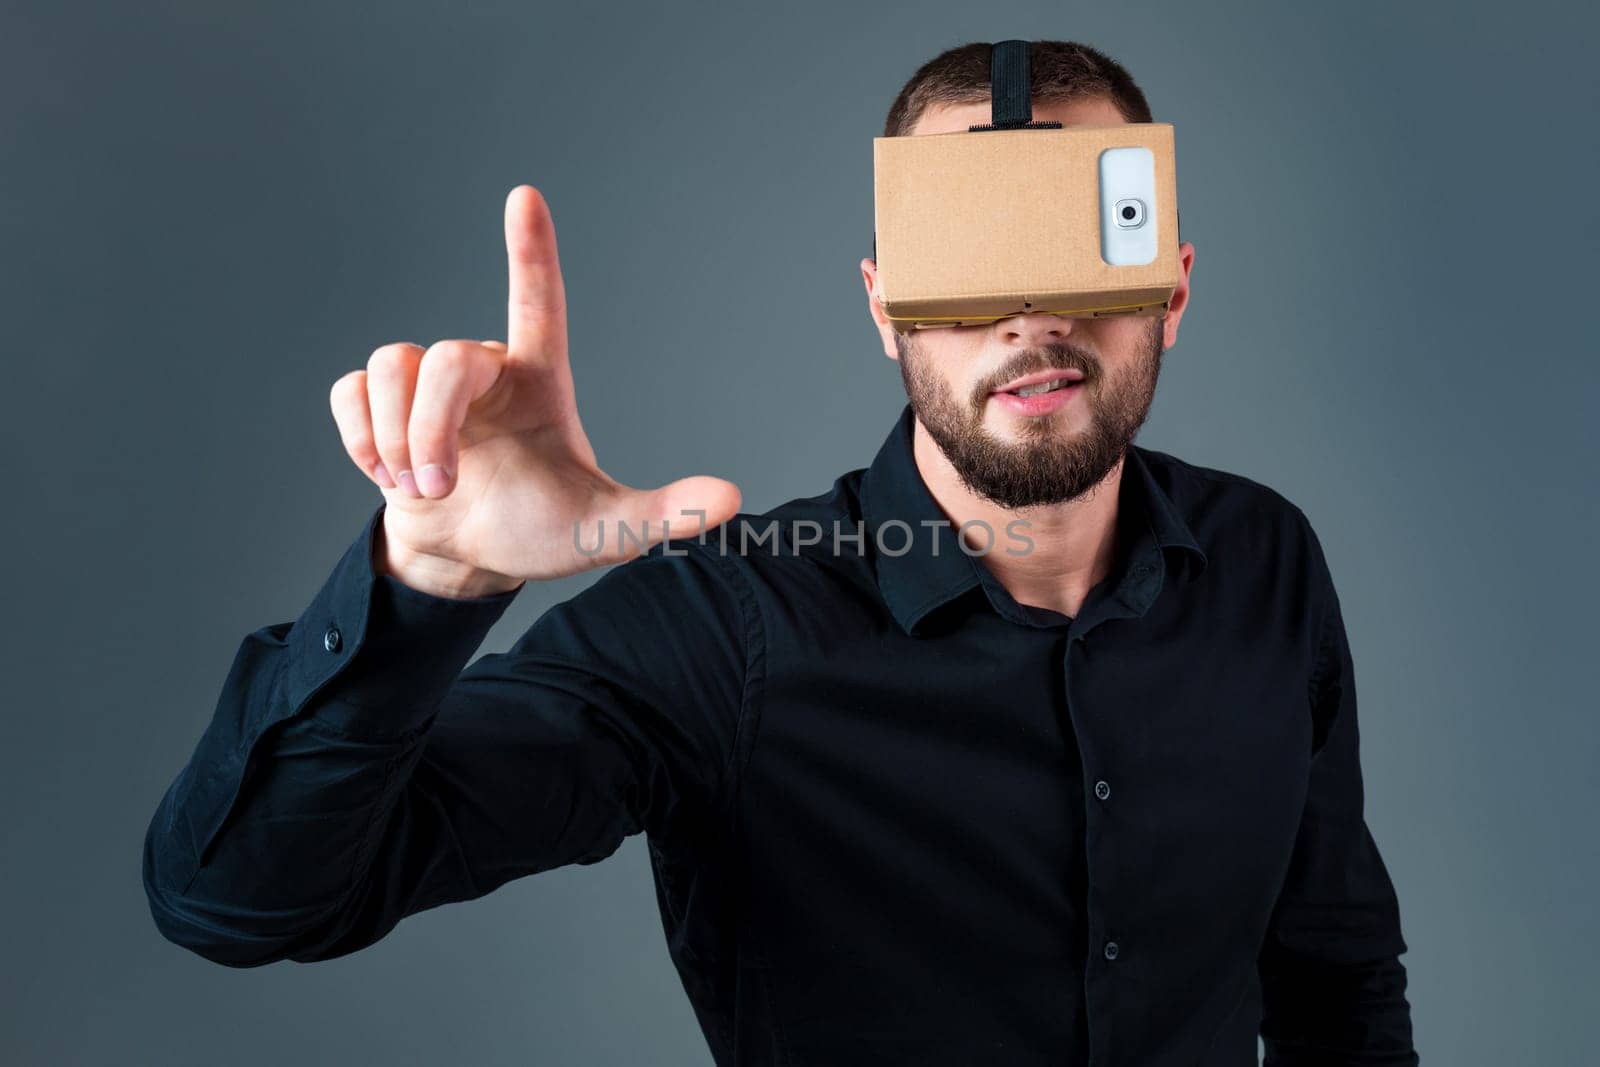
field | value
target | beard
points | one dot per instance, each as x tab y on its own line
1049	464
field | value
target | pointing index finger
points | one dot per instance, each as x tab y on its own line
536	308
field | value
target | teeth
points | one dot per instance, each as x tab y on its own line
1043	387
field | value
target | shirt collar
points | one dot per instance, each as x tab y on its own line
921	564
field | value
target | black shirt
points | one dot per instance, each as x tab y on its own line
893	815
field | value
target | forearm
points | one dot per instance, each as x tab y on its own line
1333	986
337	791
293	851
262	844
1350	1015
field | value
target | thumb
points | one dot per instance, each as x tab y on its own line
681	509
689	506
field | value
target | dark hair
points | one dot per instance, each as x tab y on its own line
1058	70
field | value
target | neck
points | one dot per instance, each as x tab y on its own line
1073	541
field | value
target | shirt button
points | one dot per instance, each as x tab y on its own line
1102	790
331	640
1111	950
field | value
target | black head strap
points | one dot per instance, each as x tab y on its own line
1011	104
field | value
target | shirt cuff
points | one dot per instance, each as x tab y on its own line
376	655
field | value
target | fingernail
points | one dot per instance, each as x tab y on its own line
407	483
432	480
380	474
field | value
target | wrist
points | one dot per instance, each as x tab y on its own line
436	576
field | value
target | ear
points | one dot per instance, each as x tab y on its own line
869	275
1180	297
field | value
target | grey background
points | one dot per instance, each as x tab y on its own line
211	212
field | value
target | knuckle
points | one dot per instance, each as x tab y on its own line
387	358
541	303
346	382
390	445
345	390
451	353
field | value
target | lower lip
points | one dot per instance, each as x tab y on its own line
1042	403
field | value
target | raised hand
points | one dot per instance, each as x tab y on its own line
477	447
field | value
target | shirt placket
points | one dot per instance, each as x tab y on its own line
1110	943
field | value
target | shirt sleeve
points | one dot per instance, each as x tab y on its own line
1333	987
356	772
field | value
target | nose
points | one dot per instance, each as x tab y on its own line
1034	328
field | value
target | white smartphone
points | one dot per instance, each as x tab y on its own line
1127	206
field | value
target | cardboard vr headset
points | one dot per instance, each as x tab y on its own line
1017	216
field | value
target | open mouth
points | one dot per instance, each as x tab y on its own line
1043	387
1040	383
1039	394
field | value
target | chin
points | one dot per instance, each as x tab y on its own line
1023	429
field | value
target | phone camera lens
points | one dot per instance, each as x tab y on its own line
1129	213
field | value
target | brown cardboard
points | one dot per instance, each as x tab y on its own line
973	226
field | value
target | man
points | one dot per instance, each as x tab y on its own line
1022	745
